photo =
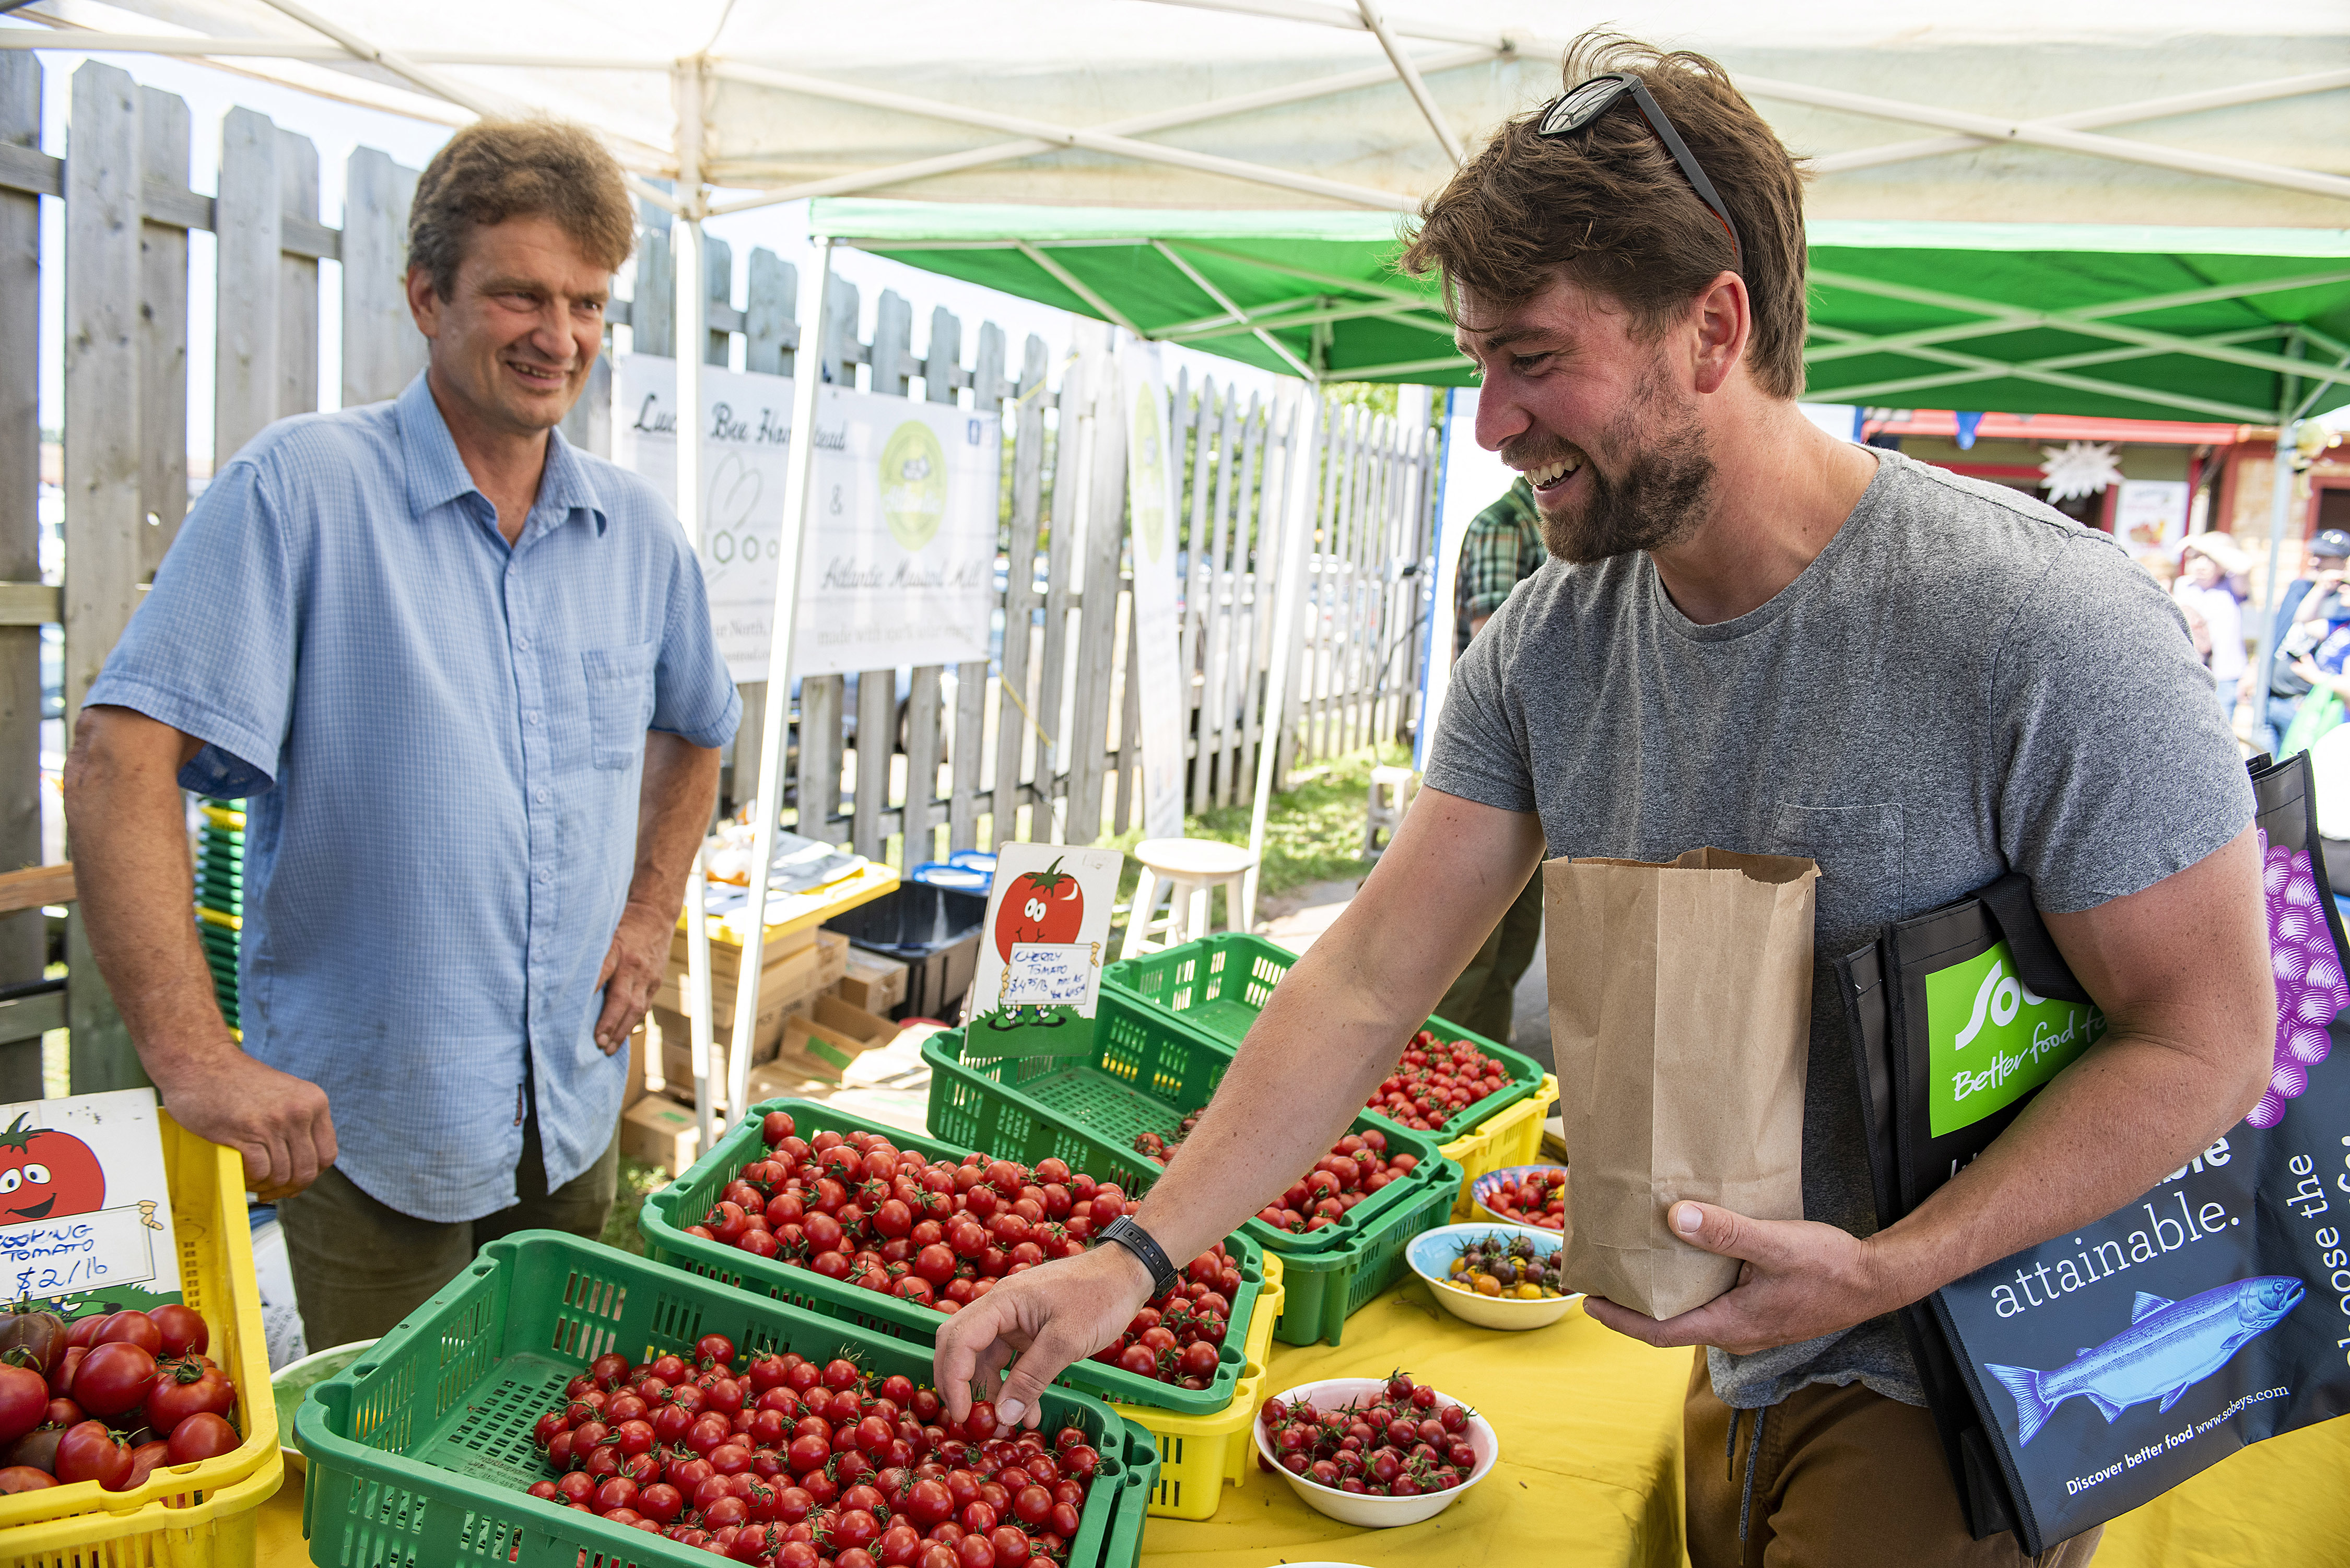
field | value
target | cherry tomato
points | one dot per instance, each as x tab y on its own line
23	1401
184	1387
181	1329
24	1478
131	1328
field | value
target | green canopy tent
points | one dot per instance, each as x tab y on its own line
2242	325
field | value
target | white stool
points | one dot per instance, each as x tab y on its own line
1186	870
1391	792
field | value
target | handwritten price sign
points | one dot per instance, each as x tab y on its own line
43	1258
1049	974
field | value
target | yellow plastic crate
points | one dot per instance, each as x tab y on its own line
189	1516
1512	1135
1199	1455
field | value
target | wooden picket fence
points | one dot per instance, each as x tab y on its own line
1045	744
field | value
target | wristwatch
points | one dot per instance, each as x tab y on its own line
1146	1248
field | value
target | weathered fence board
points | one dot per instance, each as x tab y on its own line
163	146
24	938
246	229
382	350
297	279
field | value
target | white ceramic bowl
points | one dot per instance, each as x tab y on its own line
1487	1184
1366	1512
290	1382
1430	1255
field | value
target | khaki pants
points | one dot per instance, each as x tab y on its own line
1842	1477
360	1265
1485	998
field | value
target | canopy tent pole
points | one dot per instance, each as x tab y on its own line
807	379
1409	72
2280	508
688	289
1289	568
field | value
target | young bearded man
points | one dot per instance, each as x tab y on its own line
1758	637
463	676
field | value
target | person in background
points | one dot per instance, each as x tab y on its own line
2305	611
463	675
1502	547
2209	567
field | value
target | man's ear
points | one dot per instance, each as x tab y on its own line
424	302
1723	318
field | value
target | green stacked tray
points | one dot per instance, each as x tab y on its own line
220	896
667	1211
1145	1073
1217	985
420	1451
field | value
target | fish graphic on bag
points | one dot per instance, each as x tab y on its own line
2167	1347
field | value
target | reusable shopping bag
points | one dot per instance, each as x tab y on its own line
1681	1008
2083	1377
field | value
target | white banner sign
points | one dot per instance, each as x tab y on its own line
899	562
1153	462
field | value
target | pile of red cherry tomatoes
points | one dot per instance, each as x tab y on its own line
1407	1441
1535	1198
1436	1081
1356	1166
853	1207
109	1397
791	1464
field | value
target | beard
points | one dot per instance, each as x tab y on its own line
1663	496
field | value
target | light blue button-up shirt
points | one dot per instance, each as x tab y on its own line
441	741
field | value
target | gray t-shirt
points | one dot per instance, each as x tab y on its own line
1963	682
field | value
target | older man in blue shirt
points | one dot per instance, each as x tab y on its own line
464	675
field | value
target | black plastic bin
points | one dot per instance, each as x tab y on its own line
933	931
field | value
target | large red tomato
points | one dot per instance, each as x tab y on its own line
44	1172
1045	906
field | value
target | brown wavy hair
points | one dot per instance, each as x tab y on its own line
1607	208
494	169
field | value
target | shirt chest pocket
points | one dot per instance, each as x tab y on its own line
620	702
1858	848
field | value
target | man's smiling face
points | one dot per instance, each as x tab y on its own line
522	326
1587	408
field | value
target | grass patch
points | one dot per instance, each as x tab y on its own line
1313	833
638	1180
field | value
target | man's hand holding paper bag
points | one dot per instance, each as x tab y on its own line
1680	1016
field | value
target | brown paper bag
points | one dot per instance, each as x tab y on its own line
1681	1005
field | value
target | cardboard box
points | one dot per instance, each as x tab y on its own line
659	1131
872	981
829	1036
795	977
726	954
677	1045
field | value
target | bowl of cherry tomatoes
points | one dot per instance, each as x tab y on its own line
1522	1195
1384	1481
1495	1276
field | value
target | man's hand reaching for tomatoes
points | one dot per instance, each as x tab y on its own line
1037	1322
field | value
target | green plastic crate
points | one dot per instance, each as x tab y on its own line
420	1451
1146	1073
667	1211
1218	984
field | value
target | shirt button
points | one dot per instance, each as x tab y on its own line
522	644
534	717
544	795
545	877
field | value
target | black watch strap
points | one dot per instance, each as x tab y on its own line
1144	1246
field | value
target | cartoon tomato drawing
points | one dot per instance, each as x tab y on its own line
1044	906
44	1172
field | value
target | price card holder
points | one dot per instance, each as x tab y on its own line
85	1210
1040	961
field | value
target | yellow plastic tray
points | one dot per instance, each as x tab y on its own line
189	1516
790	912
1512	1135
1199	1455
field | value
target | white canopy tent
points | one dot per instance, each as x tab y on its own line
2008	110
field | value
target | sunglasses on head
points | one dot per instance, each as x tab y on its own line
1579	105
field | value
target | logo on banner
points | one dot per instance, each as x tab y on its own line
1149	477
914	483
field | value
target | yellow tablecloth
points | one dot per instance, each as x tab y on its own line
1590	1470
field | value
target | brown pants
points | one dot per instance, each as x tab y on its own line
360	1265
1842	1476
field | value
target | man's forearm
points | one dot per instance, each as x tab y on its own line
673	806
1316	1051
131	873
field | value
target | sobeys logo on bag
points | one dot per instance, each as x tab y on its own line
1989	1041
914	483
